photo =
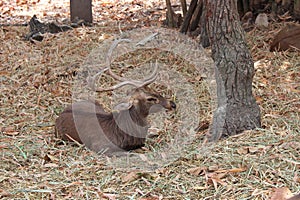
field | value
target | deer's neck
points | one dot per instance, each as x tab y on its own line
128	127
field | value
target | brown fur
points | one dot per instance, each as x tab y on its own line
296	197
87	123
287	38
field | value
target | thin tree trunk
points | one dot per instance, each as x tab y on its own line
203	21
186	22
243	7
81	9
196	16
246	5
184	7
237	109
170	16
297	9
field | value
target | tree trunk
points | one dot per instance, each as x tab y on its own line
184	7
187	18
170	15
81	10
243	7
237	109
297	9
196	17
203	21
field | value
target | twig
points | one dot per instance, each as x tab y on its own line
147	39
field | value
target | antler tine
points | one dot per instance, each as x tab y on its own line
108	58
135	83
124	81
151	78
91	80
116	86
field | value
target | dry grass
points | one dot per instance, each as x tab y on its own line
36	83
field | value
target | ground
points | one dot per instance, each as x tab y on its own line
36	82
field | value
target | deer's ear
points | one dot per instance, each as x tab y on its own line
139	94
123	106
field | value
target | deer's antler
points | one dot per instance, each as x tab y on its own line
124	81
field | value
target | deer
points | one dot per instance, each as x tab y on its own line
123	129
296	197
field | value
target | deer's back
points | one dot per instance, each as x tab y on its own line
87	123
78	121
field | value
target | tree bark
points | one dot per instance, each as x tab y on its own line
243	7
203	21
297	9
187	18
237	109
196	16
170	15
81	10
184	7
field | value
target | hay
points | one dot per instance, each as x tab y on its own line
36	82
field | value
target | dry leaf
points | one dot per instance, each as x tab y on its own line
215	181
109	196
237	170
234	170
242	151
221	175
104	37
256	149
3	73
4	193
213	168
202	126
200	187
164	171
259	99
10	130
51	165
196	170
73	183
218	175
253	149
3	147
218	180
258	192
130	177
212	181
50	158
21	2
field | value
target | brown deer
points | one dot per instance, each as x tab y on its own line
87	123
296	197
